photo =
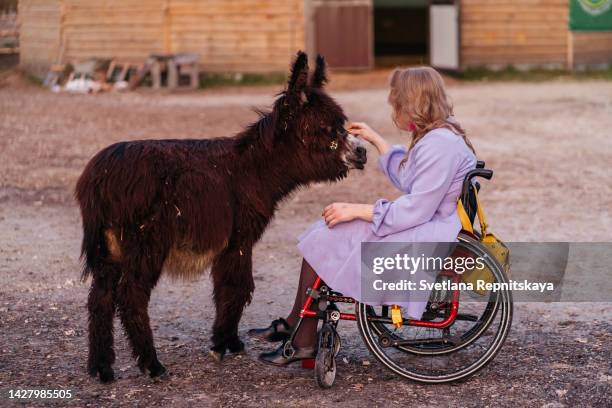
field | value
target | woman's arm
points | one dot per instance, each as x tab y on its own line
336	213
390	156
365	132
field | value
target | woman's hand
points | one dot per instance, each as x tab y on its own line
365	132
343	212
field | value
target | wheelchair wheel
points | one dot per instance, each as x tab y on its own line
467	328
325	362
433	355
473	319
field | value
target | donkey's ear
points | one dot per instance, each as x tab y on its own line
319	78
299	76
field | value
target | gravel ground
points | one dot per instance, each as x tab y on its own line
549	144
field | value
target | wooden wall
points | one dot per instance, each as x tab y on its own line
39	34
229	35
514	32
263	35
591	48
126	29
238	35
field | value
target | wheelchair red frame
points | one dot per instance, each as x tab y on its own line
449	320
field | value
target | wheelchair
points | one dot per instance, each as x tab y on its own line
454	339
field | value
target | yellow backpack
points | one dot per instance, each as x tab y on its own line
494	246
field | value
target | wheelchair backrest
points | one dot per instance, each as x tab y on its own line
471	187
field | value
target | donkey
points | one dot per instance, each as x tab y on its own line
181	206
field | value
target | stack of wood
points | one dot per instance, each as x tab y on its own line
9	34
95	74
172	67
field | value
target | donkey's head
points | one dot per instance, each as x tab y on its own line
311	125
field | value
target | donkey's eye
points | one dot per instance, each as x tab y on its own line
328	130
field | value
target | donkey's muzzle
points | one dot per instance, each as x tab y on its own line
360	157
356	157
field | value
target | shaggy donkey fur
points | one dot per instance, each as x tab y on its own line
182	205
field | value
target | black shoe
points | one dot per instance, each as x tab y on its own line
276	357
279	330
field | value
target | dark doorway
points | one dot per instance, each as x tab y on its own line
401	32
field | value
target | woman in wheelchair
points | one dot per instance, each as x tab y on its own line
429	172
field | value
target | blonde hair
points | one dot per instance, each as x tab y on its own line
418	97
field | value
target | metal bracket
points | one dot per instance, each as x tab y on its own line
313	293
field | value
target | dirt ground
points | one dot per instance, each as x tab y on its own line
549	143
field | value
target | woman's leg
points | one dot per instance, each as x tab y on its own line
307	334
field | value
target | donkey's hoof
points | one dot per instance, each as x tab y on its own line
164	375
217	355
157	369
92	371
106	374
236	346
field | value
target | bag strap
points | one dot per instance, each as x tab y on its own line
481	217
466	224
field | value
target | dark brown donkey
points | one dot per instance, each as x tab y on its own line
180	206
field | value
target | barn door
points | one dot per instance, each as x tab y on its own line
342	32
444	34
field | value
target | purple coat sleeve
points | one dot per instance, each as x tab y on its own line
389	163
433	171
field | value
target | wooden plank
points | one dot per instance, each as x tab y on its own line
485	3
514	31
118	36
220	37
281	27
559	34
7	50
237	8
592	48
39	34
128	20
518	44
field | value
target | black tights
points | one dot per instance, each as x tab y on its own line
307	334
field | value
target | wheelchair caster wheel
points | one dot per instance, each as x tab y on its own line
325	368
337	344
325	363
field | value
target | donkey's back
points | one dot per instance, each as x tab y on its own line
141	195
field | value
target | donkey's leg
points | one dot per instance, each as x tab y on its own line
133	302
133	294
101	308
233	286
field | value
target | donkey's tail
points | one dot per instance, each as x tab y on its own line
94	247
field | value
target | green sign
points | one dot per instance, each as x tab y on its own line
590	15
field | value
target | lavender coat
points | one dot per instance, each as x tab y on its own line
427	212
